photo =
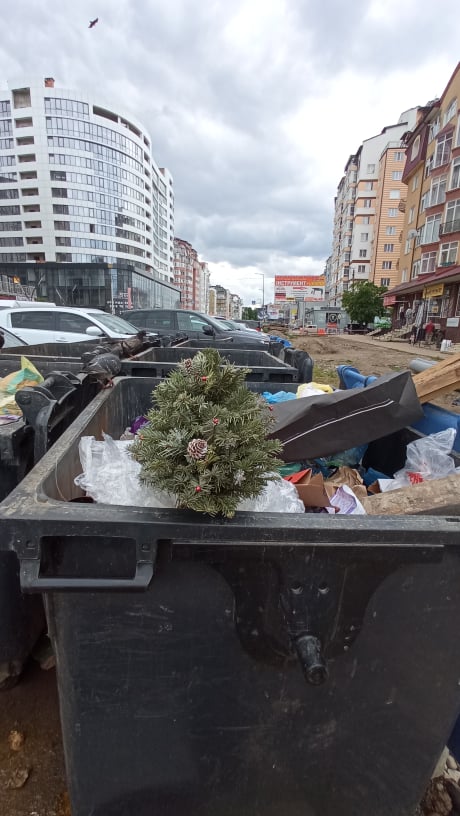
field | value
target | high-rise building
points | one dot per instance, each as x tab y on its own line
79	184
191	276
430	258
358	233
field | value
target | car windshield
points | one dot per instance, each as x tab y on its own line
229	324
114	323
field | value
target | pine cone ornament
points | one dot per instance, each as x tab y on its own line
197	448
188	363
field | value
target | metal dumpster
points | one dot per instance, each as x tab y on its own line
296	664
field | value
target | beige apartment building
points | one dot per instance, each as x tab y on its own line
389	216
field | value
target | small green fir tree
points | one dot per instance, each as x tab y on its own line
206	438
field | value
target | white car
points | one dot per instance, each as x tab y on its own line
63	324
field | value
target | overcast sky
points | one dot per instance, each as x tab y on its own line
253	105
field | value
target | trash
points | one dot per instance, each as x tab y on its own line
431	498
438	379
348	477
313	389
345	502
318	426
310	488
426	459
9	385
111	476
278	396
315	491
16	740
17	779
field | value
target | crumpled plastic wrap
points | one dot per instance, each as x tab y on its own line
426	459
111	476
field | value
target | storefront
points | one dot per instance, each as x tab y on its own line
433	297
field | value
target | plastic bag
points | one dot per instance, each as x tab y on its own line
426	459
9	385
280	396
111	476
313	389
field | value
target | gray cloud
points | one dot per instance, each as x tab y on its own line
242	99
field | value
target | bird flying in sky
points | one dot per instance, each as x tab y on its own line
93	22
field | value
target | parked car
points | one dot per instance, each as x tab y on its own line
63	325
9	340
233	324
195	326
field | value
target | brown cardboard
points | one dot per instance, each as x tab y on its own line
346	476
311	488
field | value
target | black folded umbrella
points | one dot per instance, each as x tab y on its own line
311	427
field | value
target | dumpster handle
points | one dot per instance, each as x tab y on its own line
32	581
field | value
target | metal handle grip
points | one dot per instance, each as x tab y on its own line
33	581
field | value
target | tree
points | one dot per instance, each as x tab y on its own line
205	442
364	301
250	314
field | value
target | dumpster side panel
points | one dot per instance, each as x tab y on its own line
164	711
22	620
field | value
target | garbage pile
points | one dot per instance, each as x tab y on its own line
326	440
27	375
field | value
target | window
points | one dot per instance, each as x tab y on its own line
365	219
59	192
431	231
411	215
68	322
424	201
66	107
404	276
390	230
364	236
415	148
428	263
392	212
443	150
58	175
396	175
452	222
361	269
8	242
41	319
395	193
407	247
419	236
12	210
10	226
434	129
429	166
415	270
455	182
388	247
387	264
450	112
438	191
415	183
370	168
369	185
448	254
398	156
368	202
385	281
363	253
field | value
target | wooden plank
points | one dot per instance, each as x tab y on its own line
438	379
437	497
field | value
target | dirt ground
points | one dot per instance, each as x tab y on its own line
31	708
370	358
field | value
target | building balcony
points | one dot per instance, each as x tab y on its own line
449	227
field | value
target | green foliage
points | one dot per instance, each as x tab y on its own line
364	301
250	314
205	406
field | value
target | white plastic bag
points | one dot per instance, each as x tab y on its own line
111	476
426	459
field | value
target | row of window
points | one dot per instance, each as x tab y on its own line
7	161
10	226
95	243
429	232
108	153
6	126
6	144
97	198
6	178
97	181
13	209
110	217
98	132
65	107
430	261
11	241
101	229
5	108
98	166
82	257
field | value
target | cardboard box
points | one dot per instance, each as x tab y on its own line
311	488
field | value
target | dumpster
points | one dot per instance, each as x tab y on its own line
158	362
268	664
47	409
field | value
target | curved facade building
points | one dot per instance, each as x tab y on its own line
79	184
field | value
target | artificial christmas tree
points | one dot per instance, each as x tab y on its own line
205	442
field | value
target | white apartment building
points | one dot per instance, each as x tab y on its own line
355	227
78	182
